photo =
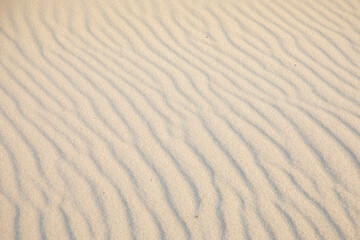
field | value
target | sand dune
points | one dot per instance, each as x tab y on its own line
179	119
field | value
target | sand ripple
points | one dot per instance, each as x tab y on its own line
179	119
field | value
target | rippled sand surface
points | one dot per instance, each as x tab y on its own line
179	119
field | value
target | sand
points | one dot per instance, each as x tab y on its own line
179	119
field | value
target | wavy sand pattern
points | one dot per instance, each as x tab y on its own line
179	119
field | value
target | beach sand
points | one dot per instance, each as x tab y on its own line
179	119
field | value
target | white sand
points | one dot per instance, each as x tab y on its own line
158	119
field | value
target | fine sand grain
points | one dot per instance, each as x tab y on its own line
179	119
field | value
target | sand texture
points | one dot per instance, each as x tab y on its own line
179	119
